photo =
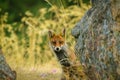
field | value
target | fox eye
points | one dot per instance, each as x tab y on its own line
54	42
61	42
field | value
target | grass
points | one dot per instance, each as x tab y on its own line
46	71
42	73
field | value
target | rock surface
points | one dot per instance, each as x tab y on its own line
6	72
97	37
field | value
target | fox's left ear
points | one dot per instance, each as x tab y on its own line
63	32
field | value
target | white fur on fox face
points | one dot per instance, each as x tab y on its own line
57	48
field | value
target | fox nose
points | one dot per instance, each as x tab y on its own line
57	49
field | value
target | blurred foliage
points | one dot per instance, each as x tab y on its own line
26	42
16	8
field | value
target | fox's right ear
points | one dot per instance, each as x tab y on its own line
63	32
50	33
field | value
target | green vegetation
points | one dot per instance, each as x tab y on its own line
25	42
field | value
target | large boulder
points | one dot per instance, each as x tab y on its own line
97	37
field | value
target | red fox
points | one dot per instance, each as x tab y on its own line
59	47
69	63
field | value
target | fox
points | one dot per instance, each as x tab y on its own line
59	47
66	57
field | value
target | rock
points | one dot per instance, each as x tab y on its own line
6	72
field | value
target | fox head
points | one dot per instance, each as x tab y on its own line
57	41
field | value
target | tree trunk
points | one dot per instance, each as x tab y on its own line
97	37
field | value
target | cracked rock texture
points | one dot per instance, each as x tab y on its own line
6	72
97	37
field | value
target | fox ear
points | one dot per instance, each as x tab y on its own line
50	33
63	32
